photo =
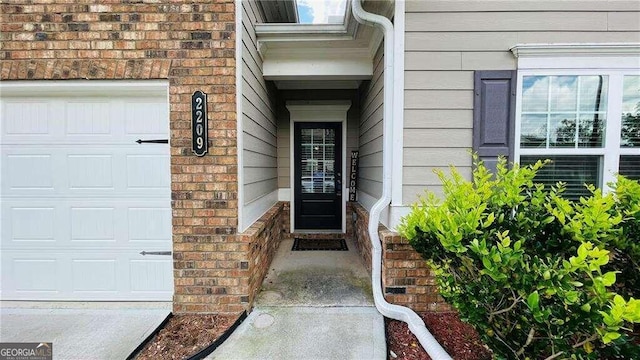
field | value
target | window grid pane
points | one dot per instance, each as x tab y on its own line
318	158
575	171
564	111
630	166
630	132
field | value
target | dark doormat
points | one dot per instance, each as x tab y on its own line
319	244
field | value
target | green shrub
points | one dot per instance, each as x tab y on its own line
529	269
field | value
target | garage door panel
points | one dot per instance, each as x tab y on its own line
146	117
147	171
93	224
38	275
28	171
83	120
149	224
32	224
80	224
107	276
90	171
26	118
88	117
151	276
98	171
94	275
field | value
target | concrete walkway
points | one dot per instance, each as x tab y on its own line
82	330
314	305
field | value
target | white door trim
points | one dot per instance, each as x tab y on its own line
317	111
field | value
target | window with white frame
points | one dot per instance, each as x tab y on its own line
587	122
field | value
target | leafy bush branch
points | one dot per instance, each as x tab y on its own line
538	275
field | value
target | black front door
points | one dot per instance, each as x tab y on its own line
318	176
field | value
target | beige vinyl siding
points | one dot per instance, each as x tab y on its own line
446	41
371	114
258	115
284	134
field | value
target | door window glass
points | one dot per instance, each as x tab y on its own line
317	160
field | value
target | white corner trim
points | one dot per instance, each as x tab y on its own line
367	201
396	213
242	225
255	209
284	194
576	49
398	101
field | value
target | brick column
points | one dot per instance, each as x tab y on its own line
191	45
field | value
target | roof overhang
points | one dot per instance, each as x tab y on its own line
321	51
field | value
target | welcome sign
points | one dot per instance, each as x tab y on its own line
353	178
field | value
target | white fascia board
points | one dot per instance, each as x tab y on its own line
328	64
284	32
318	84
575	49
578	56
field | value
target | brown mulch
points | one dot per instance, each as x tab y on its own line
185	335
459	339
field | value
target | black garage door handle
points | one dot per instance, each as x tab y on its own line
159	141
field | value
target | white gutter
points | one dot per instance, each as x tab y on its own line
397	312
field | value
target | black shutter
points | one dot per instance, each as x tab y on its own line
494	107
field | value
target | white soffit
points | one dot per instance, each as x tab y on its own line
318	64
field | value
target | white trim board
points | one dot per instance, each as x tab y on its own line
398	105
243	223
98	88
317	111
577	56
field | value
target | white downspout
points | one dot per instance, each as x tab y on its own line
397	312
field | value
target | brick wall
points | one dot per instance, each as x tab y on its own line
360	231
406	278
263	239
193	46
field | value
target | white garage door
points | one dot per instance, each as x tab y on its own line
80	198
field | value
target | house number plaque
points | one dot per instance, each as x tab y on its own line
199	123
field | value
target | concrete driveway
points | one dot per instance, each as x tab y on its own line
83	330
